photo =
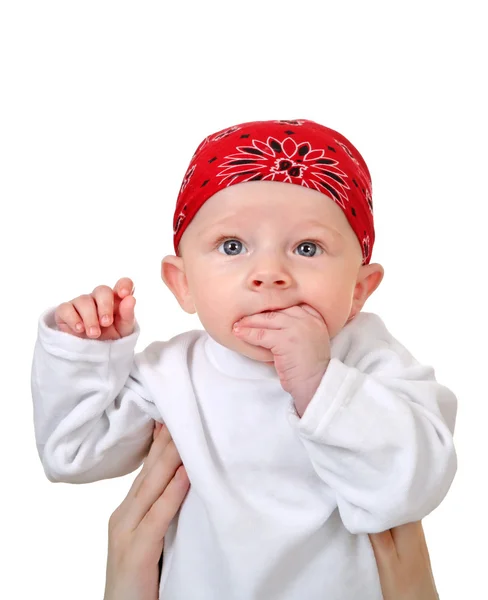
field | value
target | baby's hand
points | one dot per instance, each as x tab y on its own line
105	314
299	340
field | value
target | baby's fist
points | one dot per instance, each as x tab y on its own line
105	314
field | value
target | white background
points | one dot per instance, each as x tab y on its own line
102	106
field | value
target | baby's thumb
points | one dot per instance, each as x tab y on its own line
125	319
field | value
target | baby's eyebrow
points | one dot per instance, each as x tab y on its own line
320	225
222	224
232	222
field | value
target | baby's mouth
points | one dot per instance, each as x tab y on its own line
273	309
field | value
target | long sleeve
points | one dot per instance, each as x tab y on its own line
379	431
92	417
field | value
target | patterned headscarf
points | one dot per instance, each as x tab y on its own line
300	152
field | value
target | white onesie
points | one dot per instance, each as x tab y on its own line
279	507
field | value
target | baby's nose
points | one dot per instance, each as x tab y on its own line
270	279
281	283
269	271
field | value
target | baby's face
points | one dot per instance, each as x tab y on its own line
261	246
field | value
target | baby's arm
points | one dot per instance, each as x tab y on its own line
379	431
93	419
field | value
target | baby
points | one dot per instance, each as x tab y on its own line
302	423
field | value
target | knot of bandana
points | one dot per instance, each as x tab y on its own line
300	152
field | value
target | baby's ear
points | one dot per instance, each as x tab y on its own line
369	278
174	276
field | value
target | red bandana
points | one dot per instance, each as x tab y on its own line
300	152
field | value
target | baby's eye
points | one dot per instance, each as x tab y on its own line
309	248
231	247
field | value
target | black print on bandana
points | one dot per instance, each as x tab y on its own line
285	160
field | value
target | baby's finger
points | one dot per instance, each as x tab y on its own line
124	287
266	320
86	307
311	311
67	317
124	316
257	336
104	299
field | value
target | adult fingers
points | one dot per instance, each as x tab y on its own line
157	428
409	536
383	547
160	443
157	448
388	564
156	522
153	484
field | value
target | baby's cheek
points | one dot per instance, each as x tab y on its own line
335	318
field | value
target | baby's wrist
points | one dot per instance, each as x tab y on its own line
308	391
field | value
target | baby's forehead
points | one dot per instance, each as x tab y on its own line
271	201
315	217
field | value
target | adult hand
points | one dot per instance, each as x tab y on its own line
404	564
138	526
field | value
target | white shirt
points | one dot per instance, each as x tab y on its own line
279	507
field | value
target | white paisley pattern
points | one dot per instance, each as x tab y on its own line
286	161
